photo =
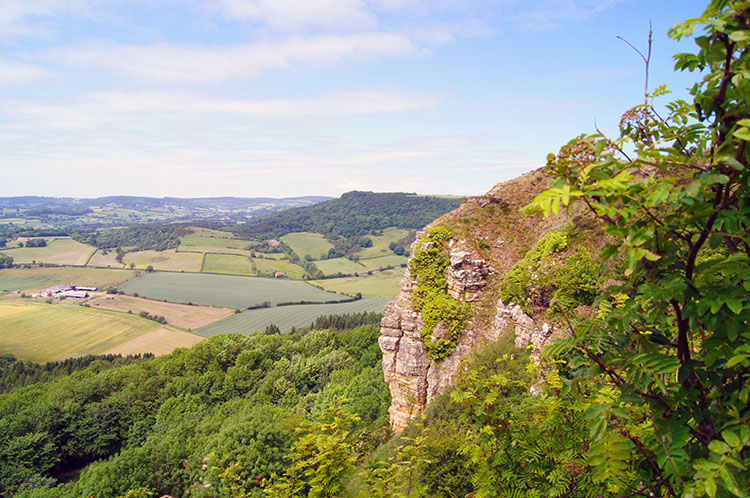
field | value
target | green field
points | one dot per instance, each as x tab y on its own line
43	332
383	261
214	250
304	243
214	242
380	284
268	267
39	278
286	317
101	260
208	232
380	243
165	260
59	251
223	290
336	265
228	263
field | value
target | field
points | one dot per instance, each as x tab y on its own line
228	263
268	267
304	243
380	284
39	278
214	242
215	250
165	260
383	261
179	315
336	265
286	317
161	341
380	243
104	260
33	331
59	251
223	290
208	232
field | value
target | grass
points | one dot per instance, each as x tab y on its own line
268	267
165	260
39	278
214	242
223	290
286	317
380	243
214	250
208	232
228	263
383	261
380	284
161	341
336	265
60	251
44	332
179	315
104	260
307	243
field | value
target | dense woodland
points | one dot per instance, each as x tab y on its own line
354	214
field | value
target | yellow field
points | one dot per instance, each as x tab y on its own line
44	332
105	260
179	315
381	284
161	341
165	260
59	251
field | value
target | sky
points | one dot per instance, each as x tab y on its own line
280	98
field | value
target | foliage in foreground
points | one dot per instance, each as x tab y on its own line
673	342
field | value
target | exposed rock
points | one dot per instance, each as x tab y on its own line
527	332
413	378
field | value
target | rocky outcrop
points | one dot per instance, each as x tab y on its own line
413	377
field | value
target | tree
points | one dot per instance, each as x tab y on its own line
6	261
150	268
672	343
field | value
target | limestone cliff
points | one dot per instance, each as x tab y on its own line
490	235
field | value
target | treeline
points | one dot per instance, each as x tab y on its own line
157	237
354	214
347	321
16	373
174	423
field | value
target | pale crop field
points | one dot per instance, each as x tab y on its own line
228	263
179	315
43	332
286	317
161	341
223	290
304	243
165	260
59	251
380	284
38	278
215	242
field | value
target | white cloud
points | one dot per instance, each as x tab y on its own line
295	15
14	73
537	15
181	63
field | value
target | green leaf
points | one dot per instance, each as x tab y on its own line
731	438
710	486
735	305
742	134
731	483
718	447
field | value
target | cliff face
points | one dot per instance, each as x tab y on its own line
475	269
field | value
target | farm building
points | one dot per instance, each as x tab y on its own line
74	294
55	290
85	289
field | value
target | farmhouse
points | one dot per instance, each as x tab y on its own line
274	243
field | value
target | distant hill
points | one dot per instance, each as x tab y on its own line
354	213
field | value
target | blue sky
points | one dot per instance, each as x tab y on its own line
280	98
